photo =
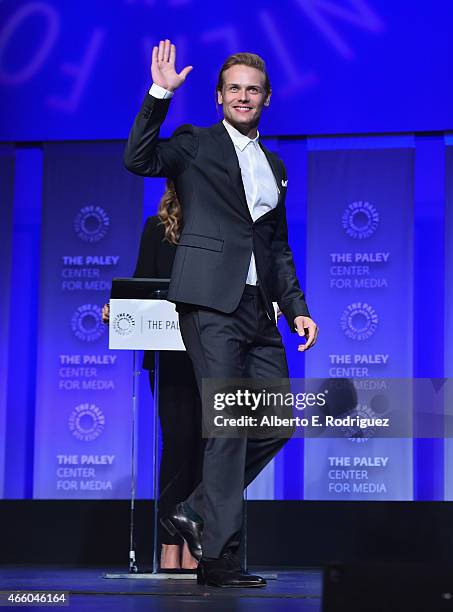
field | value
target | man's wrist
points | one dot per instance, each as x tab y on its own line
160	92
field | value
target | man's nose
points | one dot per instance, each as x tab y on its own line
243	95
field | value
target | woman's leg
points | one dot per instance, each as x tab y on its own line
181	458
170	545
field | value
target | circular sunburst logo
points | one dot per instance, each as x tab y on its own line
355	433
91	223
124	324
359	321
86	422
87	323
360	220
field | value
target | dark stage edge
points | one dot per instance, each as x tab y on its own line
289	534
89	590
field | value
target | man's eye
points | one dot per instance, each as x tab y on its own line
233	88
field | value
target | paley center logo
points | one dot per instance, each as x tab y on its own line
87	323
91	223
360	219
360	431
86	422
359	321
124	324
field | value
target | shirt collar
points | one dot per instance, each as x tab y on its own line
239	140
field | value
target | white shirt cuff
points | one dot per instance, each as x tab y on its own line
159	92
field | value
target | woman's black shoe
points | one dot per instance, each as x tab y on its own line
183	521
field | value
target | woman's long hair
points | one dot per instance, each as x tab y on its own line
170	213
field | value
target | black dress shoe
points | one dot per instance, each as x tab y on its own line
226	572
183	521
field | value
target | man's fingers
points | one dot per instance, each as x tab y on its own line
172	54
160	54
311	336
154	56
166	50
184	72
315	335
311	339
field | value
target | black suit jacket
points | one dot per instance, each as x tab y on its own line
218	234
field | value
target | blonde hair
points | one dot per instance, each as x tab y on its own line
170	213
244	59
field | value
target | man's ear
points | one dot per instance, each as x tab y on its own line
219	97
267	101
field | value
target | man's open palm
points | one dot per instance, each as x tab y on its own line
163	70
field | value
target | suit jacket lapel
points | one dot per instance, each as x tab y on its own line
232	165
275	170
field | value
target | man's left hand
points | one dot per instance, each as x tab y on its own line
306	327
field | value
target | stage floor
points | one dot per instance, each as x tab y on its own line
89	590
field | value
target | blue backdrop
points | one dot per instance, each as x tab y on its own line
56	417
78	70
91	216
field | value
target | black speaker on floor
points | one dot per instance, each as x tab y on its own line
387	588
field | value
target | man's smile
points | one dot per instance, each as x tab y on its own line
243	109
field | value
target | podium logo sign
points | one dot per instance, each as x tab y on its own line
144	324
124	324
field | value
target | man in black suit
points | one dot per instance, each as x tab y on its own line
232	262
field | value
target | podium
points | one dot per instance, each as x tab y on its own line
142	319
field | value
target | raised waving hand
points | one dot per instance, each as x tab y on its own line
163	70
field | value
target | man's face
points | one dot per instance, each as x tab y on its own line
243	97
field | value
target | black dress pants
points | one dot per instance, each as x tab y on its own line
243	344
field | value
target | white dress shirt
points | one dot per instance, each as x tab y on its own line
260	186
160	92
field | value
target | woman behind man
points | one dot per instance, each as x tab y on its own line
179	403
